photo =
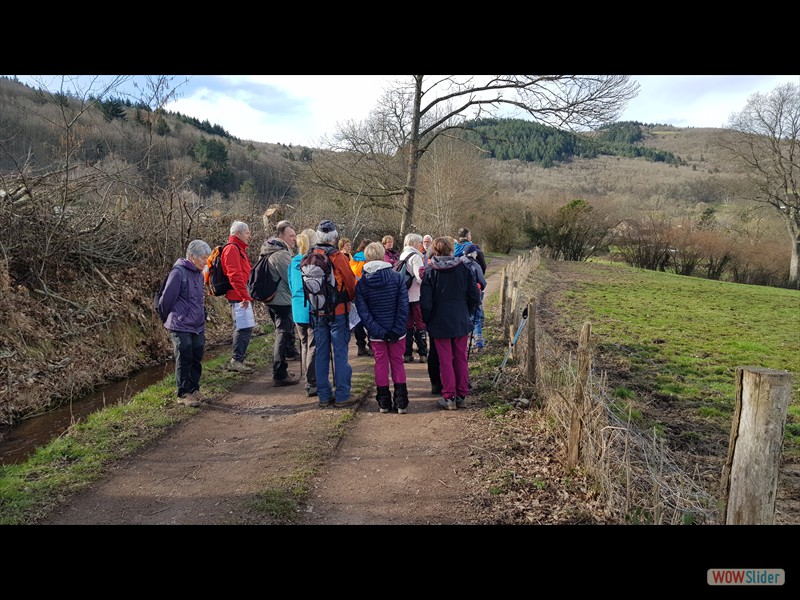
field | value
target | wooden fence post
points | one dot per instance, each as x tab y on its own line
579	401
503	292
531	351
750	475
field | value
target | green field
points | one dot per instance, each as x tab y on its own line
684	337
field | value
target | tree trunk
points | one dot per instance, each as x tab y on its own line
413	162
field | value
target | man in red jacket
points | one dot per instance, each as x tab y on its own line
236	265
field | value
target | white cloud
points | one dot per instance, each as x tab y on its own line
288	109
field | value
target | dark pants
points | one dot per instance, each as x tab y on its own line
188	348
433	367
281	316
241	338
415	331
360	334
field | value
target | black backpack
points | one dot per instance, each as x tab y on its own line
401	267
157	296
319	281
260	284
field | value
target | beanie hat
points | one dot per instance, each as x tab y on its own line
326	226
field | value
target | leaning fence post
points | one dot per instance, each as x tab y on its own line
531	351
579	400
750	476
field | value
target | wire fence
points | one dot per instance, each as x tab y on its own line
641	480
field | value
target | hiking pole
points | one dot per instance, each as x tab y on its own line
511	347
471	334
333	369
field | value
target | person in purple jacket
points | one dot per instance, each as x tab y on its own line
183	300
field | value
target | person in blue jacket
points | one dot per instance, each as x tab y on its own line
183	301
300	313
382	302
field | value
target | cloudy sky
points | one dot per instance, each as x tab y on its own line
300	109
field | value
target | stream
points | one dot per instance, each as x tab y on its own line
21	440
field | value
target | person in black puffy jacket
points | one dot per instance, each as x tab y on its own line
382	303
449	296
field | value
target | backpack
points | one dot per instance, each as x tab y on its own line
215	280
260	284
401	267
319	281
157	296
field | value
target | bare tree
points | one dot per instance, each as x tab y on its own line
386	150
763	139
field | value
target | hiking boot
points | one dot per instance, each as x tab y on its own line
239	367
384	398
400	400
436	389
362	351
446	403
288	380
197	395
325	403
311	391
345	403
423	358
461	401
189	400
407	358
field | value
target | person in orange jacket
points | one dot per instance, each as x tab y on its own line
357	262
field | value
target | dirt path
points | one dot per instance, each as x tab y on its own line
209	470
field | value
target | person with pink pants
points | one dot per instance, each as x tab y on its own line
448	296
382	304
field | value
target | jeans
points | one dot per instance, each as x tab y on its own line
188	348
477	319
241	339
453	366
389	357
281	316
334	332
308	353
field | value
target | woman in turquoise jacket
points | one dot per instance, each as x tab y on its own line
305	331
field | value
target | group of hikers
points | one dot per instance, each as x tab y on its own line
439	297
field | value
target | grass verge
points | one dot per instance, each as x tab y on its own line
29	491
